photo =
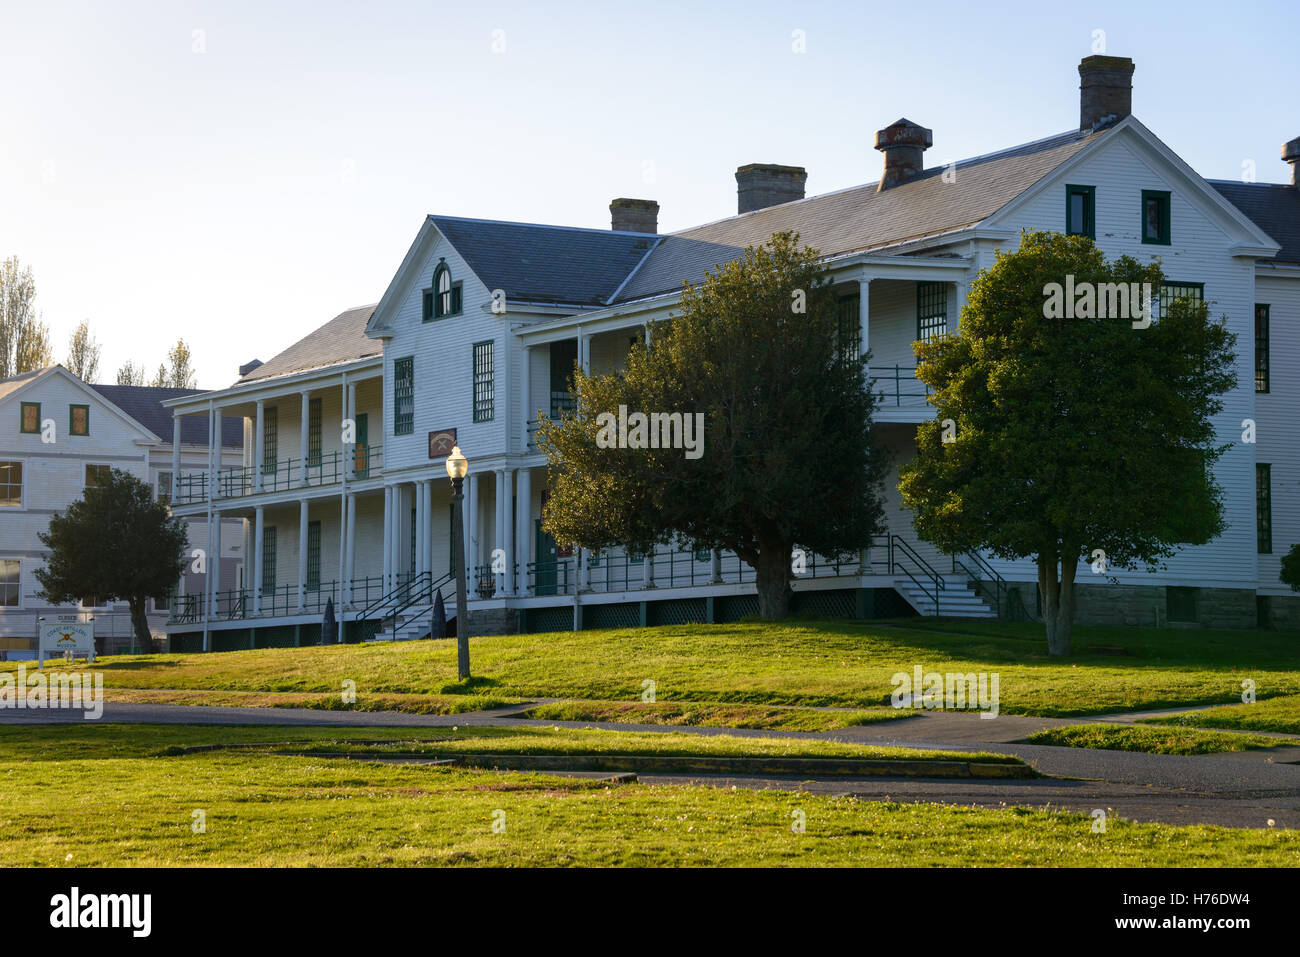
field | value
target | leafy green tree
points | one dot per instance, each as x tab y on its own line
24	338
788	456
1290	573
130	374
83	354
115	543
178	371
1070	438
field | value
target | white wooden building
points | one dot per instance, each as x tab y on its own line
479	329
57	436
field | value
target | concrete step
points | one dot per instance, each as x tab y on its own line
955	601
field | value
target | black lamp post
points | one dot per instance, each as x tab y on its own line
457	469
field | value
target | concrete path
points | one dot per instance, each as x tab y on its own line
1242	789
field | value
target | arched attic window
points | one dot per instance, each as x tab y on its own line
444	298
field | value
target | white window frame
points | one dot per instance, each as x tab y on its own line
20	605
22	494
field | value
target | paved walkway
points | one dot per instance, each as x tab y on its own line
1241	789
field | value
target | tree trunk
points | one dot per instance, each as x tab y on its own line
773	580
140	625
1058	600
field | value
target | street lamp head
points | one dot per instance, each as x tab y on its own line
457	464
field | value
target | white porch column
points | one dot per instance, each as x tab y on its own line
584	351
214	450
259	532
259	445
176	458
526	394
648	569
302	438
302	554
387	583
961	290
524	533
508	527
350	413
214	564
350	561
470	506
428	527
498	529
422	520
716	577
864	308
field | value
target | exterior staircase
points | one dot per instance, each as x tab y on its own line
406	612
413	624
957	599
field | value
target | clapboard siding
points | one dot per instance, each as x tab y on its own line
1275	414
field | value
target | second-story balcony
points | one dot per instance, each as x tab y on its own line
282	475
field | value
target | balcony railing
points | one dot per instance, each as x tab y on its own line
898	386
282	475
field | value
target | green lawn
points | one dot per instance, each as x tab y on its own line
105	795
1119	737
694	713
845	664
1281	715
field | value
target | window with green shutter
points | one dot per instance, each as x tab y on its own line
270	439
313	556
1155	217
1261	347
78	420
484	389
404	396
30	420
1264	509
268	558
931	310
1081	211
313	431
447	295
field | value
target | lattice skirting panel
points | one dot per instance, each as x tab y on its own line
625	615
678	611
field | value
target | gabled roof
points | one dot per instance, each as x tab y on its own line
550	264
860	218
14	383
144	404
342	339
1273	207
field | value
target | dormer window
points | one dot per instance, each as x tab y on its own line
444	298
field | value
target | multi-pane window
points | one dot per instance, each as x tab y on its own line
30	420
1261	347
270	439
79	419
404	396
313	556
1170	291
931	310
1264	508
849	328
484	389
97	475
313	431
11	484
446	294
1081	211
165	488
268	558
1155	217
9	580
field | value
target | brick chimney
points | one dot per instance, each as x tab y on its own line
634	215
1105	90
1291	153
760	185
902	142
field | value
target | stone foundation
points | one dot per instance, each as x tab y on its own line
493	621
1150	606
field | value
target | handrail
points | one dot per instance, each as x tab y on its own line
396	594
897	542
901	376
982	565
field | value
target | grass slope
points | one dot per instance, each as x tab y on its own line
1149	740
1281	715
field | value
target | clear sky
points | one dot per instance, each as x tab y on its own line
236	173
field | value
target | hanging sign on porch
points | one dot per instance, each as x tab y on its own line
441	442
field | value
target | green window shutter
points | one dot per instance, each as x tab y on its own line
404	396
268	558
313	556
1081	211
313	432
426	311
30	420
484	387
931	310
1264	508
1261	348
1155	217
78	420
270	439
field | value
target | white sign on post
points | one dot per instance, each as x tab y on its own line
57	638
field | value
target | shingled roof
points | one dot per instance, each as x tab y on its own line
145	404
1273	207
551	264
342	339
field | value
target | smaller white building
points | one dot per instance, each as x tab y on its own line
57	436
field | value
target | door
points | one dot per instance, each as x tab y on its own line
361	451
547	556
